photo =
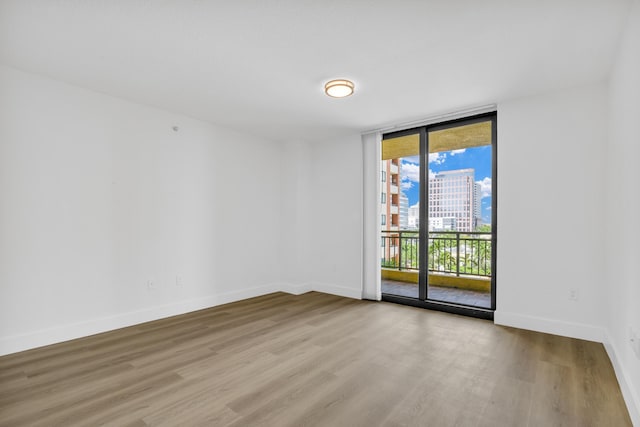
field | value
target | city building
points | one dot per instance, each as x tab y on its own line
477	205
456	196
442	224
404	211
390	194
413	220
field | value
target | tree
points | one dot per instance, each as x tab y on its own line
410	250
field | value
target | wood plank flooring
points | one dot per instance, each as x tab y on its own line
313	360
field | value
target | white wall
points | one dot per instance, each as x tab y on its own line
321	220
623	213
295	217
100	195
336	220
550	211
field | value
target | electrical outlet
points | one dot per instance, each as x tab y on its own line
574	294
151	285
179	282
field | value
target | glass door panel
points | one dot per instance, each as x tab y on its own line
400	199
460	214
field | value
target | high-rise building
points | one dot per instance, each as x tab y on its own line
455	196
413	218
442	223
404	211
390	194
477	205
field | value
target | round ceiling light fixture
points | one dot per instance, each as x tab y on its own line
339	88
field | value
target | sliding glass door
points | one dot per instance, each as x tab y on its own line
438	216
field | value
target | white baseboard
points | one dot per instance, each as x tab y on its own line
629	392
550	326
57	334
61	333
327	288
296	289
342	291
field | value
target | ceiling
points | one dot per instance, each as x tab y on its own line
259	65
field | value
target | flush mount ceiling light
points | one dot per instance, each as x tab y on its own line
339	88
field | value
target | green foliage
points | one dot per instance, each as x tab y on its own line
410	257
470	254
389	263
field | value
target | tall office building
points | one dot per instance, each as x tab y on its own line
454	200
404	211
413	220
477	206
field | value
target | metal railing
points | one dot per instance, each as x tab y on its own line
452	252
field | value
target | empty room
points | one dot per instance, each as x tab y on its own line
305	213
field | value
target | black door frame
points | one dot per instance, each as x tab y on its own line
422	301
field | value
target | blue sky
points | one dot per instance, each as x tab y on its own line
478	158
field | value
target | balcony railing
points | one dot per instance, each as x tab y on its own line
452	252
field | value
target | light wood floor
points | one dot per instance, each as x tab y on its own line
314	359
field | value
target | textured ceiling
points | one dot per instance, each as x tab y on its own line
259	65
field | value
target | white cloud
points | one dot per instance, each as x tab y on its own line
437	158
410	172
485	186
412	159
